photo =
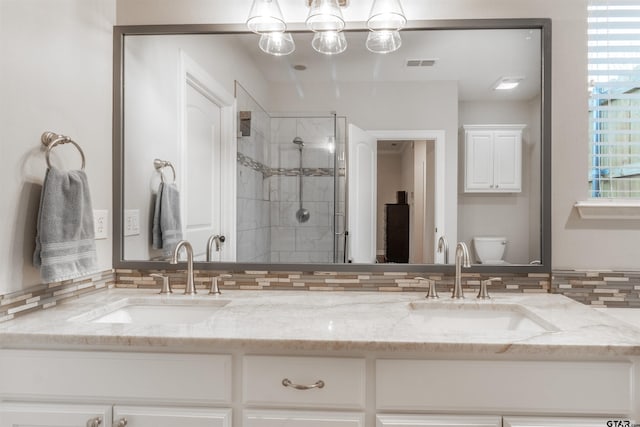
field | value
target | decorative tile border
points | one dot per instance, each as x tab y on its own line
48	295
599	288
267	171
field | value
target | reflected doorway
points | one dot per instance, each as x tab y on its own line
405	228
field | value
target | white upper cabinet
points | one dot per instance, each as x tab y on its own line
493	158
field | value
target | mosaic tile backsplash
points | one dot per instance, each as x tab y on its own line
48	295
332	281
597	288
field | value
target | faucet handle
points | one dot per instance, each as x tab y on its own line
431	291
215	290
166	286
483	293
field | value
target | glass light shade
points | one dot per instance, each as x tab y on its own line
277	44
386	15
329	42
265	16
383	41
325	15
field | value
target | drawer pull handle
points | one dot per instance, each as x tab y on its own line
122	423
94	422
287	383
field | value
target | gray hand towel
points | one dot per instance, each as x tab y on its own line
167	225
65	245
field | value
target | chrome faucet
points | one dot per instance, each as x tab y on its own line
443	246
190	289
218	239
462	257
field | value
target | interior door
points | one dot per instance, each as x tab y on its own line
201	167
361	174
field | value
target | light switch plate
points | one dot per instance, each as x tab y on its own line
131	222
101	224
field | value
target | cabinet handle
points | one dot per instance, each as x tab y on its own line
287	383
94	422
122	423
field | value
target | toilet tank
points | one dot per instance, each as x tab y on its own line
490	250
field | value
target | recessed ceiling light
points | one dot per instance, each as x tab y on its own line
507	83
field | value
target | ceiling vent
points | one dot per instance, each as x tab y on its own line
421	62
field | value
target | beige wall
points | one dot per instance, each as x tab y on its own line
389	181
55	74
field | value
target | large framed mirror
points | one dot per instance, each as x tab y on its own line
351	162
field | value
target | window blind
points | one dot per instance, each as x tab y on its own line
614	102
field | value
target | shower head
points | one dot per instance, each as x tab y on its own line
298	141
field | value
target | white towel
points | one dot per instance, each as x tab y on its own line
167	224
65	245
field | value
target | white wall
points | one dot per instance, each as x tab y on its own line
55	74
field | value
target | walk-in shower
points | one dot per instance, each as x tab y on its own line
302	214
291	186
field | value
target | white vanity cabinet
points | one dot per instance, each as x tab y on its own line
493	158
438	421
189	390
279	418
54	415
335	384
66	415
142	416
562	422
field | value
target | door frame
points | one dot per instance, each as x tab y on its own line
191	73
438	136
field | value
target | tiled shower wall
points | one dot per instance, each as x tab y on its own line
293	241
253	222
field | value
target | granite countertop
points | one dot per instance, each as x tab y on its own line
330	321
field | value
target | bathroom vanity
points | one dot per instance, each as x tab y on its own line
249	359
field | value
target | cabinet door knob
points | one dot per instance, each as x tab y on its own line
287	383
122	423
94	422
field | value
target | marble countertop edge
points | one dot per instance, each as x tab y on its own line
327	322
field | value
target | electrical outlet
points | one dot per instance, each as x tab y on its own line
101	224
131	222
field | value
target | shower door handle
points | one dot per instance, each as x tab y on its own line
340	233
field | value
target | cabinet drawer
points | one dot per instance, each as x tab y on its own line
499	386
343	378
267	418
115	377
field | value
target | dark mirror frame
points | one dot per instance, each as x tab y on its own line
542	24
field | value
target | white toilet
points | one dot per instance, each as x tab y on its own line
490	250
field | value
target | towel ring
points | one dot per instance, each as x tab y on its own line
159	164
51	139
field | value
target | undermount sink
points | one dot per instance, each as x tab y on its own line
155	311
476	317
